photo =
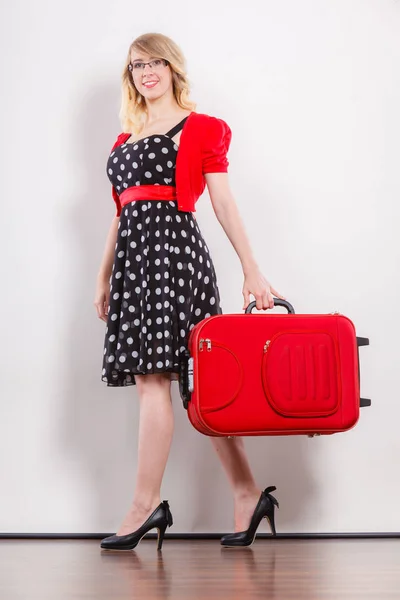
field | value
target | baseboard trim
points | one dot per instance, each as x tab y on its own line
200	536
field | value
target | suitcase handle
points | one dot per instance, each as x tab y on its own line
362	341
277	302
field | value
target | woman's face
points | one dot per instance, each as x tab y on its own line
151	80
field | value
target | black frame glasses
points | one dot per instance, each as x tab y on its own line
153	64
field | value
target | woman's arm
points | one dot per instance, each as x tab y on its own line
108	254
227	213
102	293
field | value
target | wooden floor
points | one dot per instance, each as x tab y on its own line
269	569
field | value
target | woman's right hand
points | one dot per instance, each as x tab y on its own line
102	297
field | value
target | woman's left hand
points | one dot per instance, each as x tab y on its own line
256	284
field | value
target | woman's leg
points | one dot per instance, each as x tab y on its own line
155	436
232	454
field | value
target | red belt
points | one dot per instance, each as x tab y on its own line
148	192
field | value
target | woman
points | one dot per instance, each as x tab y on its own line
157	279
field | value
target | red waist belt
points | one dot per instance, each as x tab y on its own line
148	192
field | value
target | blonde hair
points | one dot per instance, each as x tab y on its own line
133	107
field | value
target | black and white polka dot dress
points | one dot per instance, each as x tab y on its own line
163	280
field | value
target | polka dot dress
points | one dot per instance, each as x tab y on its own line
163	280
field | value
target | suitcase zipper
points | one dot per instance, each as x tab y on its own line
207	341
266	345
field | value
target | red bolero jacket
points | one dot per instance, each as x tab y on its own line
203	147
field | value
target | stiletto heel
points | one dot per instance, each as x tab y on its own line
161	518
161	532
271	520
265	509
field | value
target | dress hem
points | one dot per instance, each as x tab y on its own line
127	379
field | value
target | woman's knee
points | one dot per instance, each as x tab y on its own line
153	383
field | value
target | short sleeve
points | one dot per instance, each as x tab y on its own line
216	141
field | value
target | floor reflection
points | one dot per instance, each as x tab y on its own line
145	577
237	572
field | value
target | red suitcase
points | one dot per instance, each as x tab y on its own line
272	374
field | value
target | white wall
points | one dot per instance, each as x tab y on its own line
311	91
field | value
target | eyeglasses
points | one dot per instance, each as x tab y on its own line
157	64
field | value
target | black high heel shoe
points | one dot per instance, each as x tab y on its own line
265	509
161	518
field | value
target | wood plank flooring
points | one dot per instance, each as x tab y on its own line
269	569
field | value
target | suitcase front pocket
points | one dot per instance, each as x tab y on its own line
223	375
300	374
